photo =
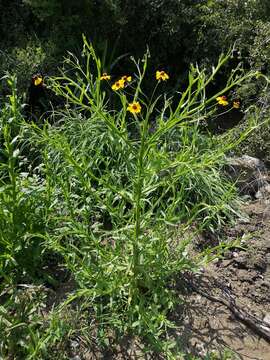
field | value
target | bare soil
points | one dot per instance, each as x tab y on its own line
242	279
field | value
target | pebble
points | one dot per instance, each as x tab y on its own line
266	319
260	264
74	344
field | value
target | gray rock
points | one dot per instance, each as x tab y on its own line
265	283
267	318
241	260
74	344
249	173
264	192
260	263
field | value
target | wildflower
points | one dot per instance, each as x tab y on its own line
127	78
120	84
134	107
161	75
236	104
105	76
222	100
37	80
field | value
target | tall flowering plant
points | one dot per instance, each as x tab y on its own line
142	175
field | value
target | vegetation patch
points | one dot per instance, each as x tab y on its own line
102	198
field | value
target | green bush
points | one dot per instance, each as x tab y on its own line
123	190
117	196
177	33
258	143
22	62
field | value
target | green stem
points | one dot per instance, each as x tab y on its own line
138	194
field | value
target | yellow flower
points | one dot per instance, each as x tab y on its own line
38	80
134	108
236	104
127	78
120	84
222	100
105	76
161	75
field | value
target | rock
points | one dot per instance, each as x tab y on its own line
241	261
74	344
265	283
260	263
264	192
266	319
249	173
244	220
225	263
247	162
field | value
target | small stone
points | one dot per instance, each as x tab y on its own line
74	344
241	262
266	319
225	263
264	192
260	264
244	221
265	283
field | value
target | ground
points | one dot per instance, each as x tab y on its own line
242	279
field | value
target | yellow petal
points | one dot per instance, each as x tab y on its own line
38	81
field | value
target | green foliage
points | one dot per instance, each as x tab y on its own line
177	33
259	51
13	20
22	63
64	21
258	143
116	195
21	200
20	319
113	196
119	184
242	23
